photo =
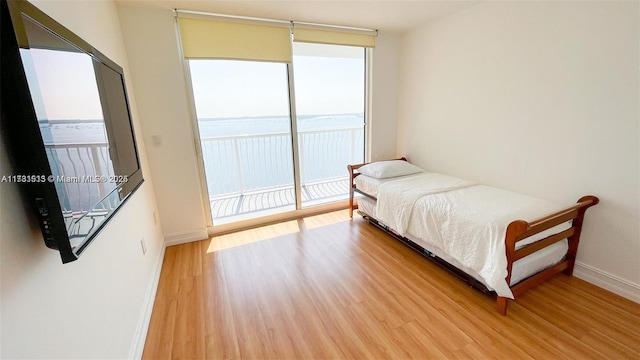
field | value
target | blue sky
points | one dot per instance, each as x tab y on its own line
323	85
328	84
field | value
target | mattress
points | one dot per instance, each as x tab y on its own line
476	193
521	269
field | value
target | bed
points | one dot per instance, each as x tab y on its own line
476	231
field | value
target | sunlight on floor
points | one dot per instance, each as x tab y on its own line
272	231
335	217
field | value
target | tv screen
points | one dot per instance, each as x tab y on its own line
66	119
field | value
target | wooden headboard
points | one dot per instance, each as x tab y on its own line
353	173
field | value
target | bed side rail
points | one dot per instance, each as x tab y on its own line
353	173
519	230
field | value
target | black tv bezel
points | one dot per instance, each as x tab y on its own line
21	133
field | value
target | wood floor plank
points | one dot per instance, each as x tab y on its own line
159	341
328	287
188	339
418	345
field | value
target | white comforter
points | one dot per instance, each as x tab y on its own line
396	198
466	220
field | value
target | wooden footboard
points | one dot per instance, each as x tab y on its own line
519	230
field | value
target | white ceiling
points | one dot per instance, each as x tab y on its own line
386	15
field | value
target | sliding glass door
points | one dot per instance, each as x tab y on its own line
246	137
242	109
258	159
330	104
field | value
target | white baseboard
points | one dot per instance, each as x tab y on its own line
145	317
185	236
607	281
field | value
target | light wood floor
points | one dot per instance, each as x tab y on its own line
327	287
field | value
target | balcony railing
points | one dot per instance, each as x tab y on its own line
251	173
85	204
76	162
244	174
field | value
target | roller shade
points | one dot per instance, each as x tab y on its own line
318	36
215	39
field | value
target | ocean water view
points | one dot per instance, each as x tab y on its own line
218	127
241	155
258	155
93	131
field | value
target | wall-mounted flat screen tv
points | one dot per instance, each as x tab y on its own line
67	125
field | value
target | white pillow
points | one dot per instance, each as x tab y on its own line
388	169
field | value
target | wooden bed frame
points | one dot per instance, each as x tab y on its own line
516	231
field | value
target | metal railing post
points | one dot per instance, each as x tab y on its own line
353	146
240	178
301	146
98	170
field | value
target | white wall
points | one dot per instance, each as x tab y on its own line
160	87
90	308
541	98
384	97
